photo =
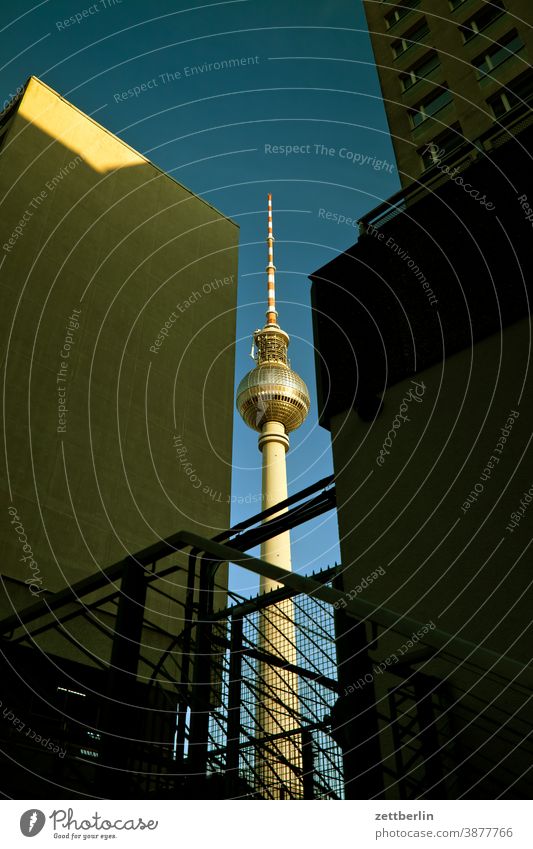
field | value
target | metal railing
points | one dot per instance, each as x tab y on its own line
448	720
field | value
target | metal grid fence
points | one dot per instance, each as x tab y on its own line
282	710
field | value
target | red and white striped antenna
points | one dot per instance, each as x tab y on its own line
272	316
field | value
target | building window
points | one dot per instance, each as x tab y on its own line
426	65
516	95
411	38
430	105
482	19
400	12
497	53
441	146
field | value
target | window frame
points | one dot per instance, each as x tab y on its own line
503	95
412	74
493	50
471	25
420	108
454	131
406	39
407	9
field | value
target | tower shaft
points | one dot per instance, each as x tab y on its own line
274	444
278	704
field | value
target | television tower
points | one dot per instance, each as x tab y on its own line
274	400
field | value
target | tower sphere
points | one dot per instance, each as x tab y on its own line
273	393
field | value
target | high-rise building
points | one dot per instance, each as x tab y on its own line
273	400
449	70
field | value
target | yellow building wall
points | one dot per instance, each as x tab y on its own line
118	291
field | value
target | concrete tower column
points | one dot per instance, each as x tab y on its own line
278	707
274	444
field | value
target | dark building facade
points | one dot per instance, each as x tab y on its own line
423	331
449	70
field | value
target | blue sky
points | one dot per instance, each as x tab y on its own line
305	80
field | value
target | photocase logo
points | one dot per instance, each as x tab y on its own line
32	822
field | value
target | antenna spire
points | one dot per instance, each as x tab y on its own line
272	315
